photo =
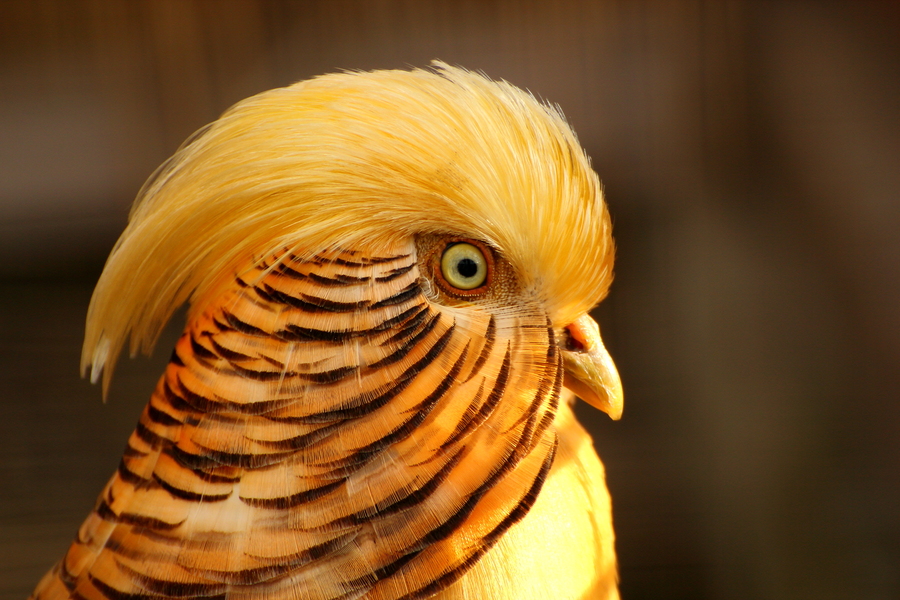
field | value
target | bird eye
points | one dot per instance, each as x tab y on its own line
464	266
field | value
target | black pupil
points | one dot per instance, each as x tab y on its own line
467	268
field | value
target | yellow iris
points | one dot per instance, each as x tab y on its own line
464	266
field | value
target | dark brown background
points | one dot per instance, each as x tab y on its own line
751	157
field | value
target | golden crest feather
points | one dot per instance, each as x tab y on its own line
357	157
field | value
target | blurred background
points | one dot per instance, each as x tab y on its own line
750	153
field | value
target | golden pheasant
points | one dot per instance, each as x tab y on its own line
389	275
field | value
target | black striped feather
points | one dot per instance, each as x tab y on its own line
325	431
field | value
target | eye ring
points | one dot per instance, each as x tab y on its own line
465	267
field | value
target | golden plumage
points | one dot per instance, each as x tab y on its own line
342	418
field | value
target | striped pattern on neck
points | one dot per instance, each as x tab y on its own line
326	426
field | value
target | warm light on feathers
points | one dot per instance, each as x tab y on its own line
356	157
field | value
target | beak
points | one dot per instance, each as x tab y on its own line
589	369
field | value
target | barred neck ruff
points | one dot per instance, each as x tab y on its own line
326	426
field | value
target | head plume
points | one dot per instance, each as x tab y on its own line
355	157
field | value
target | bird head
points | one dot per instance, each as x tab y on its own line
371	158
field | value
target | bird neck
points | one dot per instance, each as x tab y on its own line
329	398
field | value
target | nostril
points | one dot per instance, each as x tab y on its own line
571	343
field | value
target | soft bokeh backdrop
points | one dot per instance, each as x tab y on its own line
751	157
